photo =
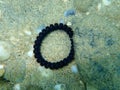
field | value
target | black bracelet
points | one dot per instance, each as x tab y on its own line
40	38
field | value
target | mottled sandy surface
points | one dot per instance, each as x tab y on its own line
20	22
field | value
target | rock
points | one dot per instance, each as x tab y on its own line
62	21
97	52
16	87
2	70
5	50
15	71
111	10
69	12
60	87
40	28
82	6
74	69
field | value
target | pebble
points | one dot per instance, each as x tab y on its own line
106	2
65	0
30	52
45	72
16	87
69	12
59	87
2	70
5	50
1	66
87	13
40	28
99	6
69	23
74	69
15	70
27	32
62	21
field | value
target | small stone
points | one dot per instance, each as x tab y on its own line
5	50
30	53
2	70
99	7
74	69
16	87
27	32
106	2
69	12
62	21
69	23
1	66
65	0
59	87
87	13
40	28
82	5
15	71
45	72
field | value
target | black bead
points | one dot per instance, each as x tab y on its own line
56	26
60	26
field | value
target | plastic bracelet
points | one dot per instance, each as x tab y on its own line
40	38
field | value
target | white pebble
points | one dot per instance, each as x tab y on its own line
16	87
45	72
74	69
1	66
5	50
106	2
2	70
87	13
65	0
30	53
40	28
99	6
27	32
62	21
69	23
59	87
69	12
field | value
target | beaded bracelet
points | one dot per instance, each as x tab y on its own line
40	38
